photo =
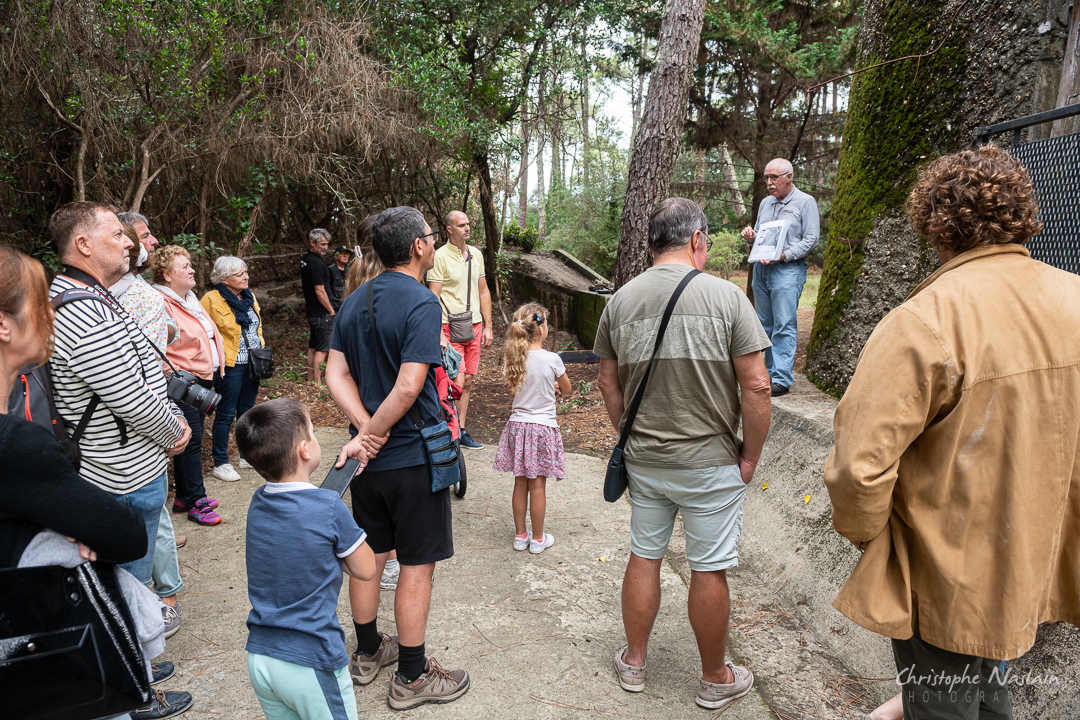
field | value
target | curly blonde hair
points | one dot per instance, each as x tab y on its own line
528	320
974	197
161	261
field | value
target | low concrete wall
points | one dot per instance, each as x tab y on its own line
579	309
791	544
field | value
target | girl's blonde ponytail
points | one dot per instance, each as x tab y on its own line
519	336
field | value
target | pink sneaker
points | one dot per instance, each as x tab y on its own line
203	516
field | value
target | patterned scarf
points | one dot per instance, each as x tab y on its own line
240	305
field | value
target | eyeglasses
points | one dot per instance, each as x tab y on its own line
434	235
708	241
770	176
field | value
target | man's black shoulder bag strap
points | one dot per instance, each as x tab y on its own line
413	414
615	480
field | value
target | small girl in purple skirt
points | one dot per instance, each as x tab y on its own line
531	444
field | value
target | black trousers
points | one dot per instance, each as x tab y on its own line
943	685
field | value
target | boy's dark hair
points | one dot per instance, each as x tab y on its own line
267	434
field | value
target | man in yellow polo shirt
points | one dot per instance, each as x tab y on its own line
458	280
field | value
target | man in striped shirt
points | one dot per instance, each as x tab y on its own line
100	352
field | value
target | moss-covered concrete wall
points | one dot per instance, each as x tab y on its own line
579	312
997	60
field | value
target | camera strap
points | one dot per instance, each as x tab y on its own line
99	292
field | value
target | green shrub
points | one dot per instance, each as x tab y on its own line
727	253
525	239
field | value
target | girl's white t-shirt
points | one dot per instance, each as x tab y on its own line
535	402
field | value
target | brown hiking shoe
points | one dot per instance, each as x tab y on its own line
365	668
436	685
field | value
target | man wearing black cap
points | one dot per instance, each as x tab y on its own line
339	271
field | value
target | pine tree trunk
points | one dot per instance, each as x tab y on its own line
491	226
731	180
636	97
523	173
541	141
584	115
656	146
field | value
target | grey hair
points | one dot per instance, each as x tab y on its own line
784	166
674	222
316	234
225	267
393	234
132	217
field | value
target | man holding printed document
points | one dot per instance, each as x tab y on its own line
787	230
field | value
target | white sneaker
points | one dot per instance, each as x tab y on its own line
536	547
522	543
245	465
226	472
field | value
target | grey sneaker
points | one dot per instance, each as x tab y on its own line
171	615
390	575
365	668
245	465
436	685
631	678
717	695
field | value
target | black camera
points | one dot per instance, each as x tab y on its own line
184	387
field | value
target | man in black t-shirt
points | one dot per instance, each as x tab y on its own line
339	271
315	279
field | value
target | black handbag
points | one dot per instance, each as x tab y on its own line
439	443
68	645
615	479
260	364
461	324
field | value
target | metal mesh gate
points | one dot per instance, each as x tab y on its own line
1054	167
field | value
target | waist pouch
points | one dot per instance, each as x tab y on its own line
442	455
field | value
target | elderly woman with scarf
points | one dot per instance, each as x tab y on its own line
235	313
200	351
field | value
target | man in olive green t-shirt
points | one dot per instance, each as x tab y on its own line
684	453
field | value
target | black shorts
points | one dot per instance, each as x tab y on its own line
398	511
322	329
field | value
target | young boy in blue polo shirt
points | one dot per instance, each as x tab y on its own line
298	538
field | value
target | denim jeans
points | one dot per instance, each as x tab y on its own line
167	580
148	502
187	466
777	289
238	393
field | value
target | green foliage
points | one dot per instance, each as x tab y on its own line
727	253
524	238
579	398
899	119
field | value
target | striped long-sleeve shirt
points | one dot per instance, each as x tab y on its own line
100	350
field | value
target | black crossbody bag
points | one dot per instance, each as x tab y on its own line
616	480
439	444
461	324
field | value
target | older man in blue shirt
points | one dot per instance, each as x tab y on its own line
778	284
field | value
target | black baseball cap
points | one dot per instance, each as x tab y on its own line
342	250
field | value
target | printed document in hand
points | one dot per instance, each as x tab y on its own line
769	243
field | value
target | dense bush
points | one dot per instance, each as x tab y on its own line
516	236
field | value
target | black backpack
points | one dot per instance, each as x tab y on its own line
33	397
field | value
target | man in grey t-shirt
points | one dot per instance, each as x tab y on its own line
778	284
684	453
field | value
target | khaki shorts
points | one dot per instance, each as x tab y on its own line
710	500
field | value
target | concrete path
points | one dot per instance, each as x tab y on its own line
536	632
